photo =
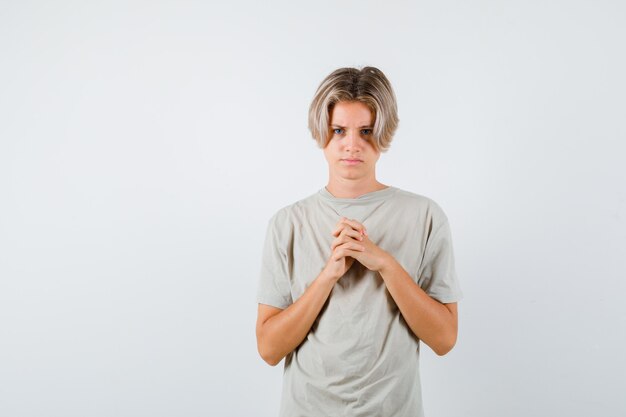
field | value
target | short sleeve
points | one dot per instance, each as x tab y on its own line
274	286
437	273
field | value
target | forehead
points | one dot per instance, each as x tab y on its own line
351	113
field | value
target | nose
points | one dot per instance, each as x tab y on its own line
353	139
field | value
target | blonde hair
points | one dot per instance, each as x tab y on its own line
367	85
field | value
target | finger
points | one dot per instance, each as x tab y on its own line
345	238
350	233
344	253
349	246
345	223
340	221
347	235
340	226
347	230
354	224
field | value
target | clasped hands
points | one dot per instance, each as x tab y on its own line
352	242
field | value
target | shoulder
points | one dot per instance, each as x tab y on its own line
288	216
431	211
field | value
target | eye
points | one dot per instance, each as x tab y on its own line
366	132
337	131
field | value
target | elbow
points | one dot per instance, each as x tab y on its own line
271	358
445	346
266	349
443	350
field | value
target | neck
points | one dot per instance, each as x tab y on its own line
342	188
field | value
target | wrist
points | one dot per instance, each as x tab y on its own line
387	264
325	276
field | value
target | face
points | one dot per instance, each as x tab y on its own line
350	151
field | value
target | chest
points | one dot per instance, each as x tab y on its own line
401	236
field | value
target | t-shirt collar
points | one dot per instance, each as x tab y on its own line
364	198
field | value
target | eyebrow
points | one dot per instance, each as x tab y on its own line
360	127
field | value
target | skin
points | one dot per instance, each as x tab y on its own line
280	331
351	137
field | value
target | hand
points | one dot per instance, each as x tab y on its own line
372	257
348	234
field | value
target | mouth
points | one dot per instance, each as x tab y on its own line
351	161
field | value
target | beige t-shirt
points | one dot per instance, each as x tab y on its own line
360	358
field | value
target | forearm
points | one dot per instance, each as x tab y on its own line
283	332
430	321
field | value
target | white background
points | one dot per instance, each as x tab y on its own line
145	145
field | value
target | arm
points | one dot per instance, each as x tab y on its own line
280	331
433	322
